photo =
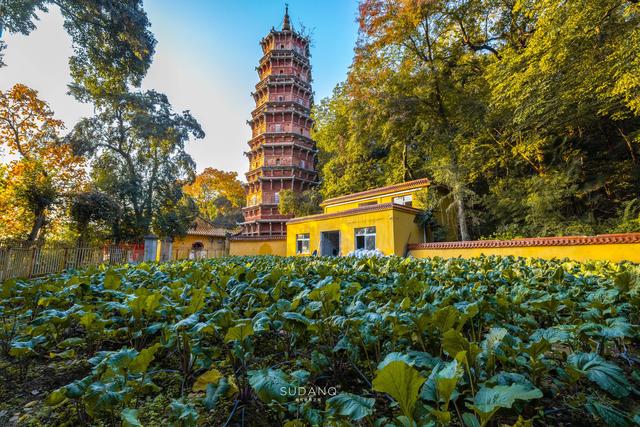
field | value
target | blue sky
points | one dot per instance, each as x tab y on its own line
205	62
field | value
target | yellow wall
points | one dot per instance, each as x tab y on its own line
610	252
258	247
215	246
378	199
405	230
386	222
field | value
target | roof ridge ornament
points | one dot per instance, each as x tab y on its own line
286	24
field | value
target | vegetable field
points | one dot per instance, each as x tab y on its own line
324	341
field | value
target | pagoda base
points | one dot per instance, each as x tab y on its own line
264	228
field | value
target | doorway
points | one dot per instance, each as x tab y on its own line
330	243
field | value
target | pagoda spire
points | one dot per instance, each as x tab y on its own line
286	24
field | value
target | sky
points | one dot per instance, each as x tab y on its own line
205	62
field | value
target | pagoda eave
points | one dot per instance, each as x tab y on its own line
280	134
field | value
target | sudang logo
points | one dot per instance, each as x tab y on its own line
309	393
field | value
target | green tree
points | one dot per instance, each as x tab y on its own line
137	146
300	204
112	43
564	128
92	208
526	112
175	215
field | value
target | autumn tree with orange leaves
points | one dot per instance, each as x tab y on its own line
219	196
45	170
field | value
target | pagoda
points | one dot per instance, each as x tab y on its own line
282	154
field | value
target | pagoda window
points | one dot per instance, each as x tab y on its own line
281	98
276	198
277	162
303	164
278	128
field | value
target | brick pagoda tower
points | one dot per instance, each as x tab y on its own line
282	155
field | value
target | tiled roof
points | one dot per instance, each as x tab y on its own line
202	227
218	232
376	191
356	211
601	239
252	238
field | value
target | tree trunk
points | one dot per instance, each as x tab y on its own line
37	226
462	219
406	174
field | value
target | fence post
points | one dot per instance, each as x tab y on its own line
166	249
150	247
33	262
65	259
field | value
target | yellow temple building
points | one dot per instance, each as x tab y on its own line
382	219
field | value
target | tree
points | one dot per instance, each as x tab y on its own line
219	196
417	114
112	44
92	208
525	112
565	125
137	147
175	215
300	204
46	168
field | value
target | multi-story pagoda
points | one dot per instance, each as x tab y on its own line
282	154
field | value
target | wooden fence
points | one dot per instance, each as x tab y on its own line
179	254
28	262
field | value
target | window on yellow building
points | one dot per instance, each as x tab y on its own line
302	243
404	200
366	238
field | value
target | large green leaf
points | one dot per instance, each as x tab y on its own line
104	396
296	317
239	332
488	400
23	349
607	376
441	384
350	405
141	362
215	392
271	384
129	418
445	318
212	376
326	293
610	416
112	280
493	339
400	381
183	415
453	343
